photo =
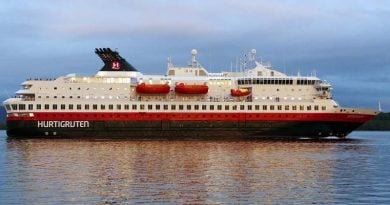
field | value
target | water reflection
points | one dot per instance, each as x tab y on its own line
190	172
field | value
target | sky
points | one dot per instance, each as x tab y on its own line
344	42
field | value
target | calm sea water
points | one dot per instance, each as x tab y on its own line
55	171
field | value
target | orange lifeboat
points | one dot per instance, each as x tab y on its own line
239	92
191	89
152	89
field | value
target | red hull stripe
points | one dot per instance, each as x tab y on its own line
143	116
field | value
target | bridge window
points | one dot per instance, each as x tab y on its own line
264	107
181	107
165	107
150	107
226	107
157	107
188	107
118	107
219	107
316	107
272	107
134	107
22	106
30	106
211	107
196	107
204	107
242	107
39	106
173	107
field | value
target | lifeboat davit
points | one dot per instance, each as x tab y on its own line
239	92
191	89
152	89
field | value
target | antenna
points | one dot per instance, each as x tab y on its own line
240	64
169	62
253	55
236	64
194	52
379	106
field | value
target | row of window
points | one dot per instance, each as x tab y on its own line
86	97
306	82
275	81
79	88
161	107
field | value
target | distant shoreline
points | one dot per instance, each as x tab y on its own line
379	123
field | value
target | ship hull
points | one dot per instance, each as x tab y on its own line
184	129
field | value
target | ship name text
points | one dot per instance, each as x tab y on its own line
71	124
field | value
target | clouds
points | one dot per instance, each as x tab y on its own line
280	22
336	38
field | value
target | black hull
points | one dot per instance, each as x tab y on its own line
185	129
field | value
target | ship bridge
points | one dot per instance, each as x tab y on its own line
193	69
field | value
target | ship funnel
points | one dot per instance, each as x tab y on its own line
113	61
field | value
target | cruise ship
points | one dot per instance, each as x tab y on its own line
253	100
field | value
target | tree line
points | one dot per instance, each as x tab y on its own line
379	123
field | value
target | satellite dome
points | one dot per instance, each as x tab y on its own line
194	52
